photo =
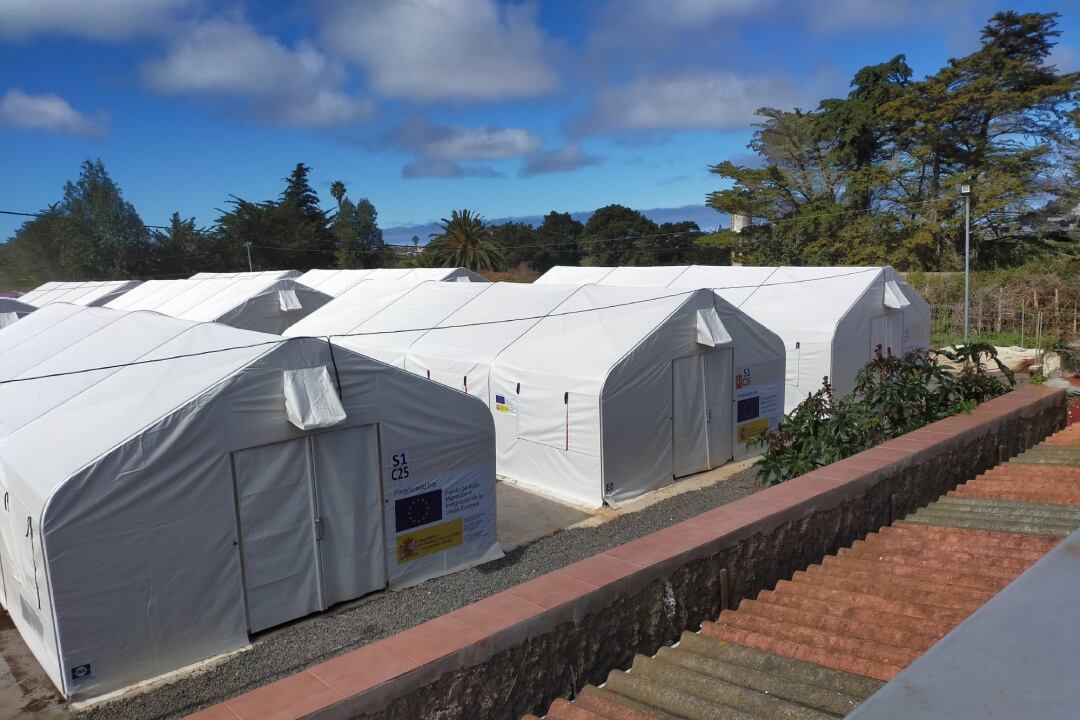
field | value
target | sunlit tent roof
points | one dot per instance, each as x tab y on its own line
599	393
279	274
164	481
832	319
90	294
11	310
335	282
259	301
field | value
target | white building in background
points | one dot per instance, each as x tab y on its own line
599	394
832	319
217	483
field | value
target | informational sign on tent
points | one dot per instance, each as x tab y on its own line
758	408
432	522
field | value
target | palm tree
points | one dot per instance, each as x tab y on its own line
465	241
337	189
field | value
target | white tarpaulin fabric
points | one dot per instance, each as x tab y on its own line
710	330
832	319
311	401
11	310
87	294
579	379
263	302
143	502
275	274
336	282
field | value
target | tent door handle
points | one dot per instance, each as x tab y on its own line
320	530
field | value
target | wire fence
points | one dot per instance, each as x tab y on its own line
1009	315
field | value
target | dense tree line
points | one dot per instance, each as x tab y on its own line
93	233
873	177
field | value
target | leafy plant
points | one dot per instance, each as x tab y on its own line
892	396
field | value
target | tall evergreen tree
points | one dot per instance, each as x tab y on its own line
92	233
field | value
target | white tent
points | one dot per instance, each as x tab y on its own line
336	282
88	294
213	485
276	274
11	310
599	393
832	319
255	301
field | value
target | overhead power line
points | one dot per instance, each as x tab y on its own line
328	338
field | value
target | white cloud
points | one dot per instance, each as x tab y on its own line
452	142
696	101
839	16
96	19
298	87
683	14
569	157
446	169
46	113
457	50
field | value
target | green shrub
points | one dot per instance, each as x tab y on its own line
893	395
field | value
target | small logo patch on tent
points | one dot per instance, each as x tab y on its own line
501	405
80	672
412	512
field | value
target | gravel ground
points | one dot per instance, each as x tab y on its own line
306	642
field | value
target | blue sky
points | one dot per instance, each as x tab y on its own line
509	108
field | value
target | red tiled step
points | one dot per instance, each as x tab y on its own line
869	568
910	637
907	607
810	635
848	608
800	651
942	597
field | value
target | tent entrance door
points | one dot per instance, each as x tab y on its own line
275	507
349	500
887	331
689	414
309	513
719	377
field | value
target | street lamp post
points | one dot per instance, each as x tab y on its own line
248	246
965	190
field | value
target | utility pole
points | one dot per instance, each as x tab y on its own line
247	245
965	190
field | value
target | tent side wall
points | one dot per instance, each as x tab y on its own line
549	434
141	545
759	376
871	323
637	408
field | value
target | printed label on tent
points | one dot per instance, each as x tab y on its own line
422	509
80	672
429	541
757	409
749	430
399	466
506	403
743	379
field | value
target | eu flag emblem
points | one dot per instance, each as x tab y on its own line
500	399
418	510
